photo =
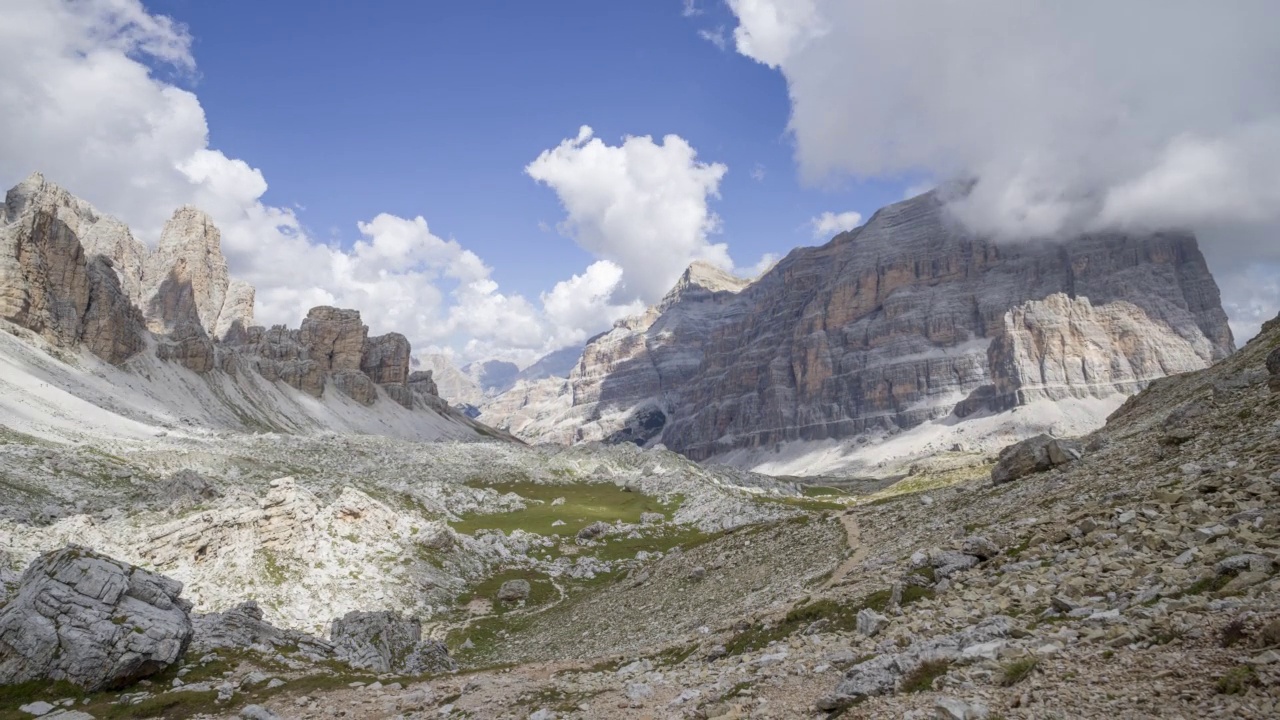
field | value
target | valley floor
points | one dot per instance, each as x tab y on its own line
1139	581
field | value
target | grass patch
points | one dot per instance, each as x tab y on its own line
921	679
811	504
821	491
1013	552
584	503
561	701
653	539
913	484
673	656
1017	671
839	617
1237	680
541	591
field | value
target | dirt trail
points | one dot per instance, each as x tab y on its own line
853	536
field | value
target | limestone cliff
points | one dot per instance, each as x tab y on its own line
186	278
905	319
49	283
80	279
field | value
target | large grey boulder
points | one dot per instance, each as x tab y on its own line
386	642
91	620
514	590
243	628
1033	455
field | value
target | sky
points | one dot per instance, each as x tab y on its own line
500	179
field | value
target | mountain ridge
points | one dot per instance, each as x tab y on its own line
902	321
77	279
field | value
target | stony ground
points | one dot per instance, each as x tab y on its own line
1139	581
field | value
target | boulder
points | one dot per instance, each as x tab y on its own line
514	590
88	619
185	488
386	642
1033	455
243	627
593	531
979	547
870	622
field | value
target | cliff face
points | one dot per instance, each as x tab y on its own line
79	278
186	279
50	285
905	319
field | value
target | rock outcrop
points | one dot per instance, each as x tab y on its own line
79	279
186	279
1033	455
903	320
93	621
386	642
243	627
52	286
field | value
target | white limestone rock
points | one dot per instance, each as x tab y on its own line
93	621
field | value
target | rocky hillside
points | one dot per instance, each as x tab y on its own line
894	324
170	338
1131	573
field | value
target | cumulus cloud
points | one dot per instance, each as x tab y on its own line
829	223
78	103
1070	115
641	205
574	306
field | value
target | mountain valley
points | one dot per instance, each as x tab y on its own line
910	473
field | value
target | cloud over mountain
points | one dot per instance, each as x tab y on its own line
1071	115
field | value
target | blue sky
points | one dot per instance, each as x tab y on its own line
434	109
382	156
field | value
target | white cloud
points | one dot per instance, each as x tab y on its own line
1071	115
691	9
574	306
828	223
715	37
642	205
758	172
77	103
762	266
770	31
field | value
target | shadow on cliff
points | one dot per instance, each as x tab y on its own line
749	384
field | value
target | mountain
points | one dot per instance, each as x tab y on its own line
556	364
106	337
907	323
492	376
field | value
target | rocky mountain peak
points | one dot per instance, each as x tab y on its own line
53	280
186	278
702	278
905	320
